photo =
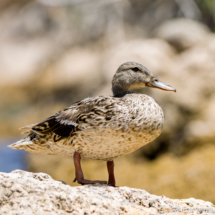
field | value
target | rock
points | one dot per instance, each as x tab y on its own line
37	193
19	61
202	128
183	33
195	77
77	68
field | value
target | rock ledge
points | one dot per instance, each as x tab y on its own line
37	193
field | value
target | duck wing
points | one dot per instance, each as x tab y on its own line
73	118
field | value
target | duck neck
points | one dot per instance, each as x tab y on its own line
119	92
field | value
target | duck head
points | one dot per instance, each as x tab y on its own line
131	76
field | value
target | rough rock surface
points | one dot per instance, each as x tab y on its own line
37	193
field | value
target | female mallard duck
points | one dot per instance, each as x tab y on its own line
102	127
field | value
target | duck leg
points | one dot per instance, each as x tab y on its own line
111	179
79	176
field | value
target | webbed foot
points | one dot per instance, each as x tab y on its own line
83	181
79	177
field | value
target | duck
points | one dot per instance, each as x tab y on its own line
102	127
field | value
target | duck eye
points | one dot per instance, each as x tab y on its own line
135	69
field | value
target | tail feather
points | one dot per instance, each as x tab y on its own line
34	142
21	144
28	127
27	145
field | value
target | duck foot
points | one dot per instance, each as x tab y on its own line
79	176
83	181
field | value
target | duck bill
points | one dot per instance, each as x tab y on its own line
160	85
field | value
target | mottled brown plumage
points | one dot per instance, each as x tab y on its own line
103	127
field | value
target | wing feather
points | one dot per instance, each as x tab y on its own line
65	122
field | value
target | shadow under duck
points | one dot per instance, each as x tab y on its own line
102	127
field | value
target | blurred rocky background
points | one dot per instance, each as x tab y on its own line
53	53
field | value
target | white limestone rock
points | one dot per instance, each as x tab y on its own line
37	193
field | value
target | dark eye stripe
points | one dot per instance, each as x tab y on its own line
135	69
